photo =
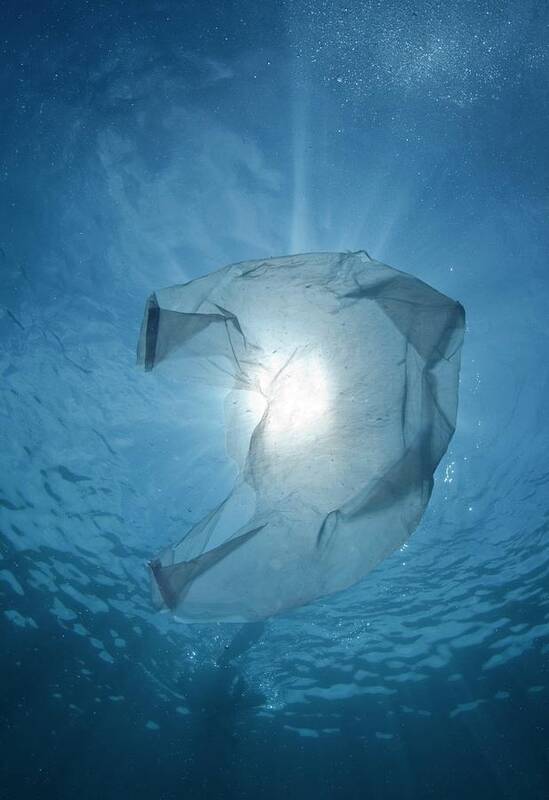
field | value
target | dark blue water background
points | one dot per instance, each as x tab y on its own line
146	143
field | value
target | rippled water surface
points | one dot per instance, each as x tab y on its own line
145	144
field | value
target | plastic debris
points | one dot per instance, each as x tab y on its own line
340	377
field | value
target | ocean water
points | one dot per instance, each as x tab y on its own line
144	144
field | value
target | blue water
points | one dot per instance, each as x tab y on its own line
144	144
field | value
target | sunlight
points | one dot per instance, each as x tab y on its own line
297	395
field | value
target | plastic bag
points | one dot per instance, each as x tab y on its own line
340	377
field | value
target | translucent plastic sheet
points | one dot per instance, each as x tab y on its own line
341	383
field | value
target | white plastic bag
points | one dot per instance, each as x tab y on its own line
341	382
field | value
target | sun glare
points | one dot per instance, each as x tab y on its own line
296	395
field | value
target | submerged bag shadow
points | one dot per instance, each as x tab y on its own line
341	380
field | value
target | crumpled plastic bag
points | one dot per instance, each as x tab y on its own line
341	382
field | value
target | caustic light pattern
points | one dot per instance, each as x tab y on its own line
340	383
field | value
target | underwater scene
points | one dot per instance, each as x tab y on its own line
274	442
